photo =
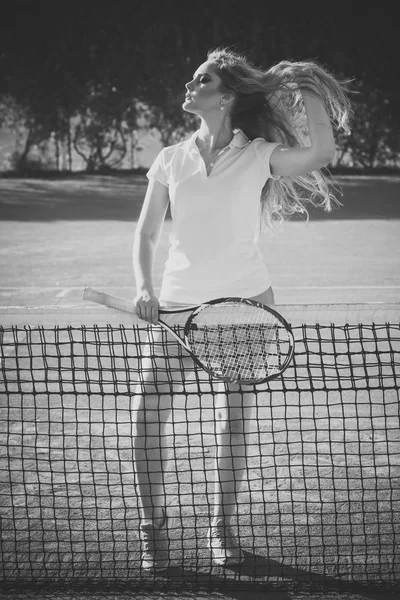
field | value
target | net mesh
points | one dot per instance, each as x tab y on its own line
320	498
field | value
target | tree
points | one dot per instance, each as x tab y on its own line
372	141
99	134
148	50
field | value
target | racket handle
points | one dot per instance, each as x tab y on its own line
104	299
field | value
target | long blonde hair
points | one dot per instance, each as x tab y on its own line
269	104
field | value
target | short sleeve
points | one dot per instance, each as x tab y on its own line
157	170
263	151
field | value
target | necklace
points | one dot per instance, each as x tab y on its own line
210	159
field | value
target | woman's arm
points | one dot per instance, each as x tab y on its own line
290	162
146	238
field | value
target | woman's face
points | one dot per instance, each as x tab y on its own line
203	92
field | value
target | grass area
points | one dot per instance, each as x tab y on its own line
57	236
108	197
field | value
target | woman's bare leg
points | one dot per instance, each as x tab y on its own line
150	415
151	411
234	411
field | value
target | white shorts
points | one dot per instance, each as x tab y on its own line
266	297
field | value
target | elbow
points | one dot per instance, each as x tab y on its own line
143	237
330	154
326	155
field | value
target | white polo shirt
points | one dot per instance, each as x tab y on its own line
214	249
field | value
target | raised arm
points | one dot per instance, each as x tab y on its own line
289	161
146	238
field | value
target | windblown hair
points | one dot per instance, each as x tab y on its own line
269	104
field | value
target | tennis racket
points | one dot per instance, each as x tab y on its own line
233	339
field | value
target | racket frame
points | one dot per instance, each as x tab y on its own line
127	306
249	302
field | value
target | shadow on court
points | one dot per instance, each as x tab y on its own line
267	580
270	579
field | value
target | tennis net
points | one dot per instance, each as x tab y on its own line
320	500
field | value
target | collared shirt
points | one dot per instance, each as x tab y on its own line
214	249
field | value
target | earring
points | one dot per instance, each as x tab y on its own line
222	106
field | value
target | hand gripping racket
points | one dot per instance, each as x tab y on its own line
234	339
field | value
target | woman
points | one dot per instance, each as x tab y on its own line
263	137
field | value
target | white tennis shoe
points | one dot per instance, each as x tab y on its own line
154	545
224	546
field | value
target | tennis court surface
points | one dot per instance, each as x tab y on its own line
320	504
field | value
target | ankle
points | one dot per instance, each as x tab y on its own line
155	516
158	516
221	520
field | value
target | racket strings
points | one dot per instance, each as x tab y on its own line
238	341
247	351
254	357
238	355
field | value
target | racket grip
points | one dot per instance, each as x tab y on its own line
104	299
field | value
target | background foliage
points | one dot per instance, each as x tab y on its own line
87	74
